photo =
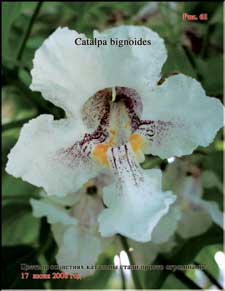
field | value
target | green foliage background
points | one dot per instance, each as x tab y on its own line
194	48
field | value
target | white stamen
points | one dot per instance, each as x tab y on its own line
124	258
113	94
124	261
116	261
220	260
171	160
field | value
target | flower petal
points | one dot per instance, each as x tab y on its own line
79	248
54	213
174	175
135	202
58	230
146	253
132	66
197	214
143	253
194	221
215	213
167	226
195	218
183	117
69	74
87	210
65	73
210	179
65	201
43	155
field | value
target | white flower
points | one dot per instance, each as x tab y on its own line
132	216
197	213
116	113
162	239
74	225
146	253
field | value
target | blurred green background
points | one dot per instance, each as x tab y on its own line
194	48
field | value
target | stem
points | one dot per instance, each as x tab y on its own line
170	28
123	279
180	275
184	279
31	97
28	31
192	62
210	277
205	43
135	277
42	249
20	197
17	123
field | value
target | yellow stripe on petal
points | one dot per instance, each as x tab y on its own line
137	143
100	154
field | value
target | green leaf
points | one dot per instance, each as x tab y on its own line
192	246
209	68
185	253
216	39
206	256
19	225
16	188
8	141
154	279
217	16
15	105
10	11
177	62
213	161
46	240
173	283
213	194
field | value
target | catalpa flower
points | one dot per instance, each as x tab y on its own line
162	241
74	225
145	253
188	183
115	113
